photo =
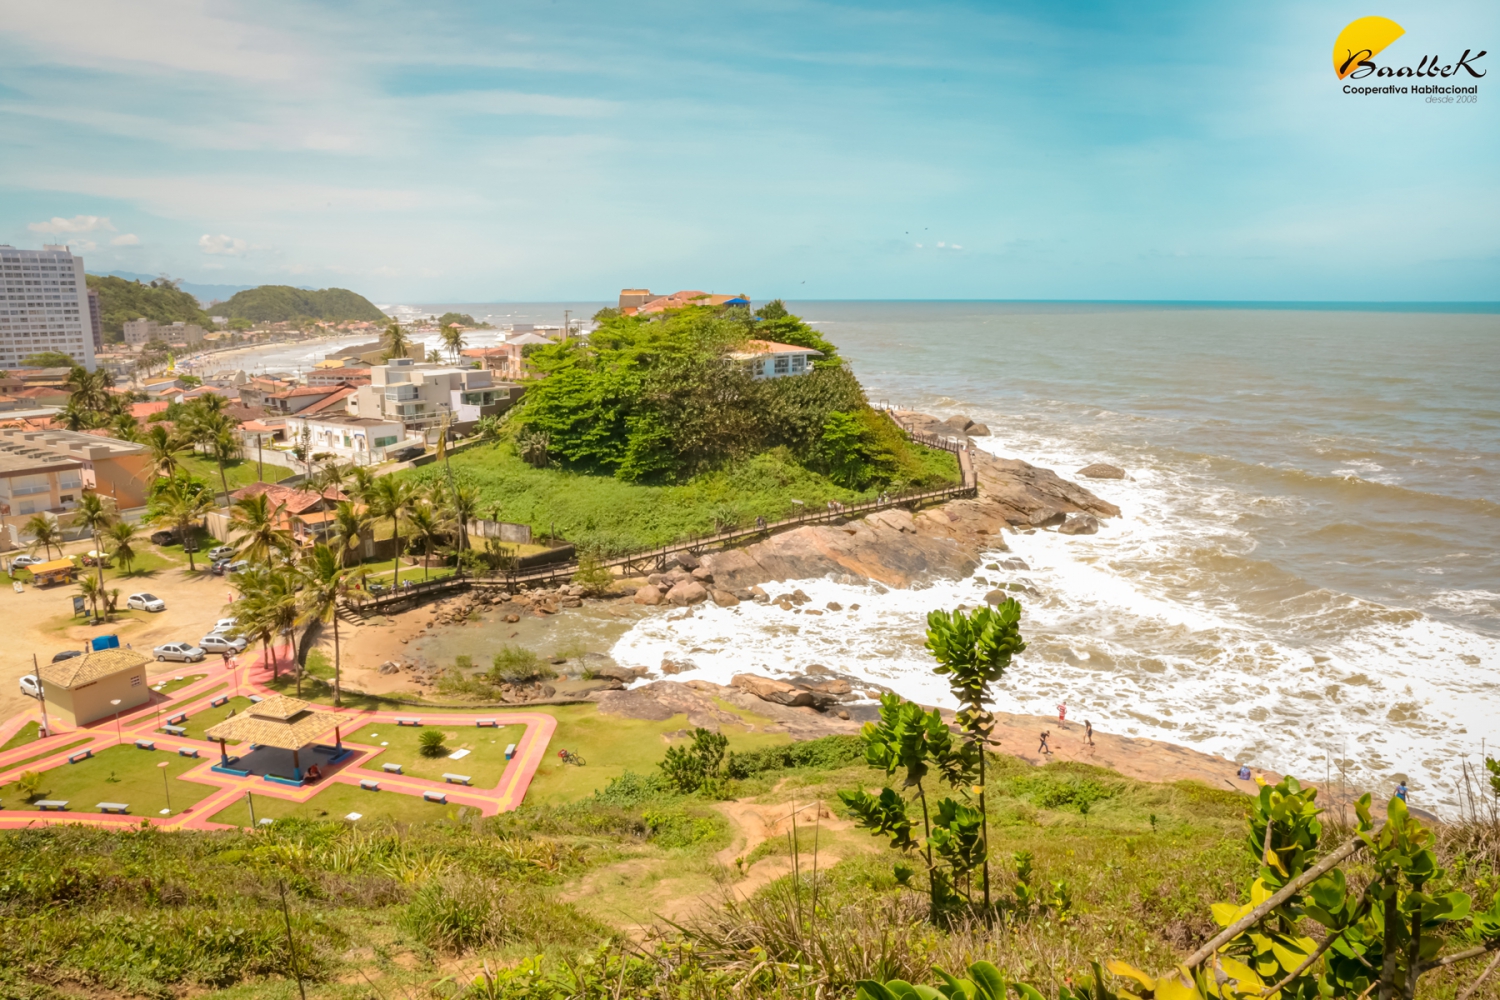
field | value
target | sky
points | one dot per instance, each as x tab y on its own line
539	151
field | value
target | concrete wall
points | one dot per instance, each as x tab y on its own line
90	703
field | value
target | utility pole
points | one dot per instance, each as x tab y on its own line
567	324
41	691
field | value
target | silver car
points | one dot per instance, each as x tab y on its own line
216	643
145	602
185	652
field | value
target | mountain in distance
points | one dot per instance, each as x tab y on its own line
121	300
205	294
283	303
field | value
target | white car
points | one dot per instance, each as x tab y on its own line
219	552
216	643
184	651
145	602
20	562
224	625
29	686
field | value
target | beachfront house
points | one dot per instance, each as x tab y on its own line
83	689
768	359
361	440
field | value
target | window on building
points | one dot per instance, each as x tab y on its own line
382	442
783	365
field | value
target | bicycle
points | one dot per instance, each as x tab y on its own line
569	757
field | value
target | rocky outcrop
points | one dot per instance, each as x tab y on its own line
897	549
1102	470
649	595
686	592
701	702
1079	524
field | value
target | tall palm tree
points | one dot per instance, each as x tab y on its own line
463	507
397	341
391	498
121	536
180	501
426	524
361	482
44	532
261	612
351	524
257	528
453	338
164	448
126	427
434	356
95	515
92	590
324	581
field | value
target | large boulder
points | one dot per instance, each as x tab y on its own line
725	599
615	672
670	666
1101	470
781	693
650	594
686	592
1079	524
978	430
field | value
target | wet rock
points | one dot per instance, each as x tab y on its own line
834	606
702	574
512	618
843	714
825	685
759	593
1013	563
744	595
686	592
670	666
996	597
725	599
615	672
1079	524
649	595
978	430
571	602
812	611
390	667
781	692
1101	470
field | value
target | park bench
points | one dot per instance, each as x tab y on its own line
487	722
49	805
222	699
408	722
113	807
174	730
267	821
177	719
80	755
187	751
391	768
256	698
145	744
369	785
438	797
457	779
510	750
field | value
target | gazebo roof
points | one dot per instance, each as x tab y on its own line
279	721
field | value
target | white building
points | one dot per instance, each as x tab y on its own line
140	332
768	359
44	306
362	440
419	394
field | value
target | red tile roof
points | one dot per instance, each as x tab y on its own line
143	410
296	501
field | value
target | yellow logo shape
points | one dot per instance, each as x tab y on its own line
1363	39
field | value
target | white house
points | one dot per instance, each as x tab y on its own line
768	359
362	440
418	394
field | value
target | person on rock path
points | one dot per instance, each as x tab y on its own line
1062	715
1088	732
1044	748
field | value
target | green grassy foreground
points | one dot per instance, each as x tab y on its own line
603	513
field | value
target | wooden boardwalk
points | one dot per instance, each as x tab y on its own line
654	560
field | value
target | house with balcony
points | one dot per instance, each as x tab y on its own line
361	440
768	359
48	470
420	394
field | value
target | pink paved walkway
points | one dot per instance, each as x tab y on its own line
254	673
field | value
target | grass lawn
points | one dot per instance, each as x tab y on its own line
484	764
49	753
26	734
201	720
604	513
167	687
148	562
239	472
412	573
612	745
335	802
138	781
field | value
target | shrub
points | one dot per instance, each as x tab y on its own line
432	743
455	915
516	665
825	754
29	784
631	789
698	767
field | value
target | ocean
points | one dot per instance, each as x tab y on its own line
1306	572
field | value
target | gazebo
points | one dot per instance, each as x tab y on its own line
281	722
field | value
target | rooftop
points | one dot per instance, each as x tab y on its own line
756	348
280	721
90	667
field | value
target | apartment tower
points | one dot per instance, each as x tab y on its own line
44	306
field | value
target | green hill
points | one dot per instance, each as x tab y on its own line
121	300
282	303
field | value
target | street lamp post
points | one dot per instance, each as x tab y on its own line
166	787
118	736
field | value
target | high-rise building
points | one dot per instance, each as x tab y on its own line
96	324
43	306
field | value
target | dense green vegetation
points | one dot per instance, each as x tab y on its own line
462	319
283	303
601	513
121	300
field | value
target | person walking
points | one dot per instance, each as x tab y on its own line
1044	748
1062	715
1401	791
1088	732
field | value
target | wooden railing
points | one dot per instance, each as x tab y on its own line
655	559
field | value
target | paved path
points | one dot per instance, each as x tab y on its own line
253	674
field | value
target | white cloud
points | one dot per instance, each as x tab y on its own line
127	240
77	224
82	246
229	246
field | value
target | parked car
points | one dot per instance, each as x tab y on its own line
168	537
145	602
66	654
184	651
29	686
224	625
22	561
216	643
224	567
221	553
